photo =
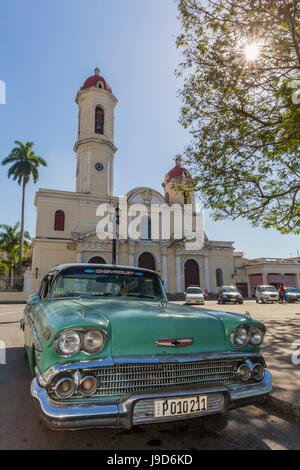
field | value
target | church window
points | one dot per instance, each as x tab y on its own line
99	120
59	221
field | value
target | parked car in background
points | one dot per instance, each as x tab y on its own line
194	295
105	348
292	294
266	294
229	294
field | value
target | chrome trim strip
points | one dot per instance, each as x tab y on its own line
37	344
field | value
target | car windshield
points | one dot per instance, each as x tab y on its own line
293	290
230	289
268	289
96	281
194	290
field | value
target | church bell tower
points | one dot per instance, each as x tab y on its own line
95	149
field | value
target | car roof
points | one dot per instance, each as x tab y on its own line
62	267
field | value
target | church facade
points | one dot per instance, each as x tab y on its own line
66	226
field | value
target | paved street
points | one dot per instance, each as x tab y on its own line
249	428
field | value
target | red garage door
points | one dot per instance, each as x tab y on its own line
290	280
255	279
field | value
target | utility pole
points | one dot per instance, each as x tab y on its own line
116	234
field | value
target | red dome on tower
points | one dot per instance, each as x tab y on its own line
95	79
178	171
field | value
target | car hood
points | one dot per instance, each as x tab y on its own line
134	325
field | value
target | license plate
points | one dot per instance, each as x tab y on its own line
180	406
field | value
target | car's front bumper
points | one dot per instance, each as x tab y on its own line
195	301
268	298
292	298
138	409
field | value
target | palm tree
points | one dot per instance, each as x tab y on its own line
24	165
10	241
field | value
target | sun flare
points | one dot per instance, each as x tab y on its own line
252	51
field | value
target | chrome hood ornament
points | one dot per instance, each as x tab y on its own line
163	304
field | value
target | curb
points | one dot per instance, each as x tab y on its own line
283	407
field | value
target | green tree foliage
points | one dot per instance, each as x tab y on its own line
3	270
243	112
24	165
10	240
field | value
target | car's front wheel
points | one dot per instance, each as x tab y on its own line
214	423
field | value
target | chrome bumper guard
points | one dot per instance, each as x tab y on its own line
138	408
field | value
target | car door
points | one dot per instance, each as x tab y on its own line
29	313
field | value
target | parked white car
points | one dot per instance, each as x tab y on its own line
194	295
266	294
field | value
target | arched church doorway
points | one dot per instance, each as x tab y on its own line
191	273
97	260
146	260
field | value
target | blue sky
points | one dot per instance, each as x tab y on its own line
49	47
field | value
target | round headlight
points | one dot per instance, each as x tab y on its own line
258	371
240	336
244	372
65	388
256	337
68	343
93	341
88	386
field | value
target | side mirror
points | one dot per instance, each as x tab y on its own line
33	299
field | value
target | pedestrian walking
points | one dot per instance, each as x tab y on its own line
282	293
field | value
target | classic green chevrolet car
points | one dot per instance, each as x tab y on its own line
107	349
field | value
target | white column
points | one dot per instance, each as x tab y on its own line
165	270
88	189
80	171
27	281
178	274
206	270
79	257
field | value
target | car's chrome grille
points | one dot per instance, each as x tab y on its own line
122	379
143	411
